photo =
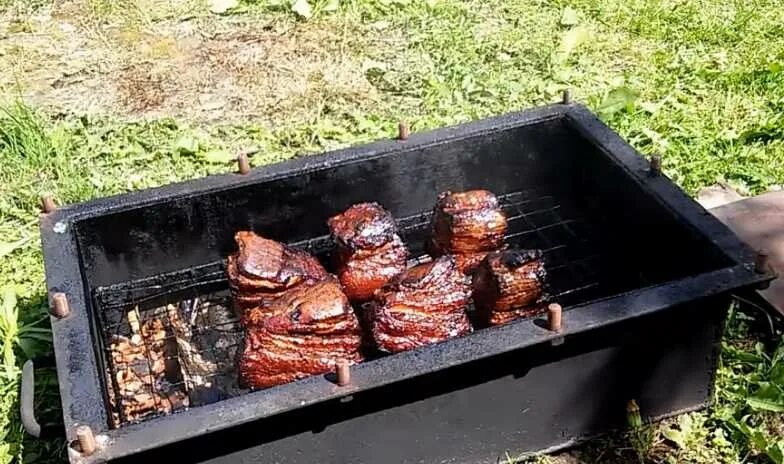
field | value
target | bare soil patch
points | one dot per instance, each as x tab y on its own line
202	67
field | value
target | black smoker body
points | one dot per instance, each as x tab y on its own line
643	272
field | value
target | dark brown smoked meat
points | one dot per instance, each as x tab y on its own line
299	334
263	269
468	225
369	250
423	305
509	285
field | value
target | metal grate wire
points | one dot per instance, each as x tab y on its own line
567	240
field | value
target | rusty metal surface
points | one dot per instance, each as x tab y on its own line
759	221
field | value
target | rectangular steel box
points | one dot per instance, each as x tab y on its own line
644	274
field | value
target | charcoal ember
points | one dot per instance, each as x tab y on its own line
509	285
264	269
468	225
369	249
300	334
425	304
147	381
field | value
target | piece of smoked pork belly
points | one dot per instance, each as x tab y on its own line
467	225
263	269
299	334
369	250
509	285
423	305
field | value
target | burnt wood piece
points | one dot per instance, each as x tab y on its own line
509	285
423	305
263	269
369	250
468	225
302	333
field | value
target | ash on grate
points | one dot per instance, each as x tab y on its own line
179	355
208	336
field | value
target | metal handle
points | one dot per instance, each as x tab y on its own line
27	398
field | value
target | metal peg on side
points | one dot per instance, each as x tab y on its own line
656	165
762	261
554	311
403	131
86	439
342	372
60	307
243	164
47	203
566	97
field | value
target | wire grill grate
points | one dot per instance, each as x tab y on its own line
174	337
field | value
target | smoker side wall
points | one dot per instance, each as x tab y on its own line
525	401
178	233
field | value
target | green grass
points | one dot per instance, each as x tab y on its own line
699	82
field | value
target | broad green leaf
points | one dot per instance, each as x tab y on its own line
768	397
778	356
650	107
222	6
776	452
569	17
655	137
186	144
765	404
619	99
740	355
8	330
675	436
302	8
777	374
9	303
218	157
6	248
570	40
331	5
686	424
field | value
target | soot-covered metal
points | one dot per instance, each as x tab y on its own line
145	355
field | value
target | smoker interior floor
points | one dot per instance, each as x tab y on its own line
170	341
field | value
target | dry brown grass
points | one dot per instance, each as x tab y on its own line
201	68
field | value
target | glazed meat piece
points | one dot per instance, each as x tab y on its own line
468	225
264	269
300	334
423	305
509	285
369	250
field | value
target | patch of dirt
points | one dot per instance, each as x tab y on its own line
203	68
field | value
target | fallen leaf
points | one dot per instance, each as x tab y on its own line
569	17
302	8
222	6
